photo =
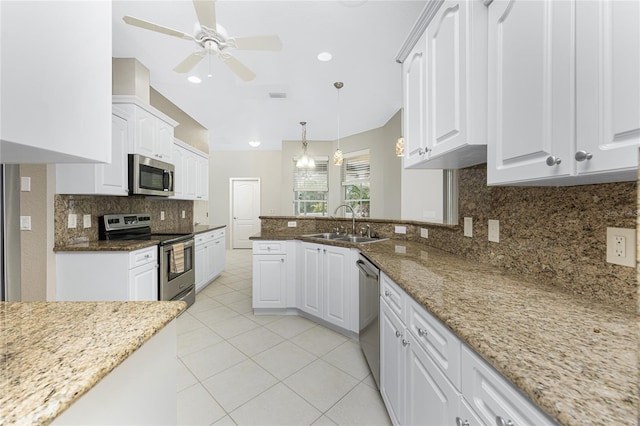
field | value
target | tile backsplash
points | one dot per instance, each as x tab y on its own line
100	205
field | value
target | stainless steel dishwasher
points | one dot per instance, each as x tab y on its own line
369	284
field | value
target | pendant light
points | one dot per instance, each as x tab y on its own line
338	157
305	162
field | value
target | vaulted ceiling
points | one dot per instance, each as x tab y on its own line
364	37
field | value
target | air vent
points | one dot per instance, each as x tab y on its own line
277	95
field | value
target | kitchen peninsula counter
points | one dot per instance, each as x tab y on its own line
576	359
52	353
109	245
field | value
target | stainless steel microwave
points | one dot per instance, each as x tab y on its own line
148	176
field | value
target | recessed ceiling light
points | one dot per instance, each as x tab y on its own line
194	79
324	56
254	143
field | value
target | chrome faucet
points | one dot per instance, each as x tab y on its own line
353	216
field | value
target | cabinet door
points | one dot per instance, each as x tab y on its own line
447	83
191	175
143	283
164	141
200	266
219	256
392	363
531	90
311	294
202	178
491	396
336	285
112	178
430	398
269	281
608	86
145	133
179	172
414	103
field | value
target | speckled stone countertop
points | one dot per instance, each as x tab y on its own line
199	229
576	359
119	245
53	352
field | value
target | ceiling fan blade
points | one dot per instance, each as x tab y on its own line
237	67
155	27
257	43
206	11
190	62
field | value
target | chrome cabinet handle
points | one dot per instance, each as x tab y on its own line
583	155
405	342
423	151
553	161
387	293
460	422
421	332
398	334
501	422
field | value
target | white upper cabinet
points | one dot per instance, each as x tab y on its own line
191	172
414	104
56	81
564	84
152	134
457	85
445	88
608	86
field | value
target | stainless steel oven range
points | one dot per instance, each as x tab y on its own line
176	253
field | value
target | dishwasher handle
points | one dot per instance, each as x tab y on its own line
363	267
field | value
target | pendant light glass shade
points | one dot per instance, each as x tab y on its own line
305	162
338	157
400	147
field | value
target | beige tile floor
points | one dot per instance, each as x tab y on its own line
238	368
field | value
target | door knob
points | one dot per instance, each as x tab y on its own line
583	155
553	161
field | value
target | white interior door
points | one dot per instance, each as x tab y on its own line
245	211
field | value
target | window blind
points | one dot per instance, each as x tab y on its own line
315	179
356	169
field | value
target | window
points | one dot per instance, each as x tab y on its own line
356	171
310	189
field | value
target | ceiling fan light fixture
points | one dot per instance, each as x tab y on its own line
325	56
194	79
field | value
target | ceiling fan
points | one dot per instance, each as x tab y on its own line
212	39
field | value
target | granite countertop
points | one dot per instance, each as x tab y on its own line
111	245
54	352
576	359
199	229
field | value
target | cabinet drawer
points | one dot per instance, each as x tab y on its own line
491	396
436	339
204	237
269	247
143	256
219	233
394	295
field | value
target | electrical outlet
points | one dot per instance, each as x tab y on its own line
621	249
161	215
424	232
494	230
401	229
25	184
184	214
72	221
292	224
86	221
468	227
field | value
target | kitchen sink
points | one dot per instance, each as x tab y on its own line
346	238
326	236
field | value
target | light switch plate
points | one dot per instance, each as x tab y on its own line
401	229
184	214
468	227
25	223
424	232
494	230
292	224
621	246
161	214
86	221
72	221
25	184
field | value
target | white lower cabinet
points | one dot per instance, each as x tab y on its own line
107	275
429	377
210	256
325	283
273	274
